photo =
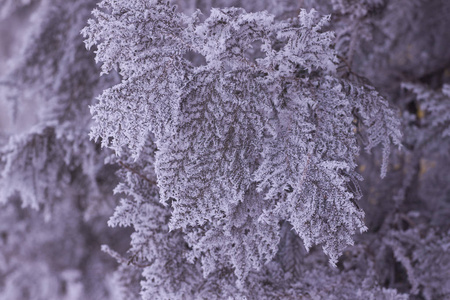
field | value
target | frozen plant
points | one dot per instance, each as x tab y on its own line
261	132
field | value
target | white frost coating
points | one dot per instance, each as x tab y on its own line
243	144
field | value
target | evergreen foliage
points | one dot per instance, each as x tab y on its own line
259	151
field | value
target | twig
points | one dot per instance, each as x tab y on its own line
134	171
